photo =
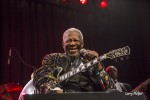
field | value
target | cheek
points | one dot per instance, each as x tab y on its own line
65	46
79	44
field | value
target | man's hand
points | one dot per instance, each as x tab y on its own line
58	90
90	55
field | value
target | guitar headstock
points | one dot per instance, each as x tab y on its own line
118	52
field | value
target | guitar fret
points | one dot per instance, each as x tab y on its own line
88	64
95	61
73	72
82	67
77	70
65	75
70	73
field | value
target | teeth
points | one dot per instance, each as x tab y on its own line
73	51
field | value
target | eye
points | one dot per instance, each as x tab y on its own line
76	40
69	40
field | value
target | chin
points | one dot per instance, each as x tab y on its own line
73	55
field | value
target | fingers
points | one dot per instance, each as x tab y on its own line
90	55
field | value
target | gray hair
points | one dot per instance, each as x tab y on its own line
73	30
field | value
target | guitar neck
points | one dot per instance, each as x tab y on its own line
111	55
145	83
81	68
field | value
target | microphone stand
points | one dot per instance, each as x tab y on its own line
19	59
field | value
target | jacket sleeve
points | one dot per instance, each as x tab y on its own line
43	78
105	80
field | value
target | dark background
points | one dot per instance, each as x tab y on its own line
34	28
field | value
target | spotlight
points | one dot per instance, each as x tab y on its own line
63	1
83	2
103	4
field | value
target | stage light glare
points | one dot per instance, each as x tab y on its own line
63	1
83	2
103	4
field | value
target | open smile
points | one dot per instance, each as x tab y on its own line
73	51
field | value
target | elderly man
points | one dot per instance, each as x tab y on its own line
71	65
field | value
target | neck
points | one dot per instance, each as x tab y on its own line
73	58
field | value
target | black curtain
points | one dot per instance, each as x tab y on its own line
34	28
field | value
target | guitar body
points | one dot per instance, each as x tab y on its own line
28	89
57	72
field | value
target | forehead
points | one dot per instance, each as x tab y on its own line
71	34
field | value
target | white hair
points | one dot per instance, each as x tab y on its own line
73	30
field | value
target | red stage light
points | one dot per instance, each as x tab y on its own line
63	1
103	4
83	2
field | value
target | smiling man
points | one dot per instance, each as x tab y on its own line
72	42
62	72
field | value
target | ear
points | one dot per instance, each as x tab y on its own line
82	44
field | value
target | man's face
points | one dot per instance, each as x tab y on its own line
72	43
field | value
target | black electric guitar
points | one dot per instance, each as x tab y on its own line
110	55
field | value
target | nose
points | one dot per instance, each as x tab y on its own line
72	43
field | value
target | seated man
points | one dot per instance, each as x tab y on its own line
70	63
113	73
